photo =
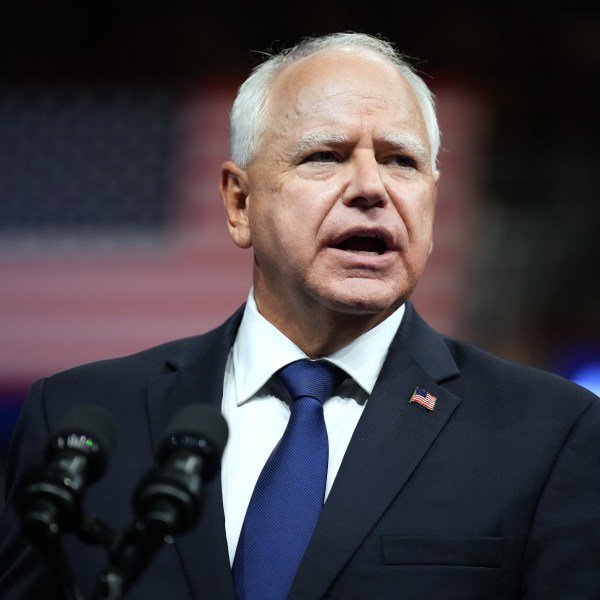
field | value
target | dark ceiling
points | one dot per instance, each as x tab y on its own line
493	41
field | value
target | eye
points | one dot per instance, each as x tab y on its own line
324	156
404	160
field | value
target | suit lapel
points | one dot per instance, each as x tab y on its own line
196	375
390	440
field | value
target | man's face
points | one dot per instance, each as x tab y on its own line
339	201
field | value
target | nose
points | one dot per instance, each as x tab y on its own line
365	187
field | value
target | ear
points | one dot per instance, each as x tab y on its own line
436	181
234	191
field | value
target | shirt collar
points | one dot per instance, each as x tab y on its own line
260	350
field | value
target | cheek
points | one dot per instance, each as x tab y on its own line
418	212
278	234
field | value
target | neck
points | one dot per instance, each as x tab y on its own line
319	331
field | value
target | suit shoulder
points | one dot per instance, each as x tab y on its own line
498	375
149	362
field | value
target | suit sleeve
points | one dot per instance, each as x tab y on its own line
23	573
562	559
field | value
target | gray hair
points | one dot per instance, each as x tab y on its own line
248	114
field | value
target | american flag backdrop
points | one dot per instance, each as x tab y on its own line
112	235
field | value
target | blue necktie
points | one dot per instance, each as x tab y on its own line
290	491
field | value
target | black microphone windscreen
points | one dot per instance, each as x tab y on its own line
97	431
202	422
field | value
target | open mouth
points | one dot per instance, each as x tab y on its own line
363	244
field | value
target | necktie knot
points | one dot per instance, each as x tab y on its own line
315	379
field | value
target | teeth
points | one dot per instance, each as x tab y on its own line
364	252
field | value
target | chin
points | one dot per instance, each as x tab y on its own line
353	302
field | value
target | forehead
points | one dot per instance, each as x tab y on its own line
338	87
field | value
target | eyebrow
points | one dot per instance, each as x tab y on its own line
408	143
402	142
309	141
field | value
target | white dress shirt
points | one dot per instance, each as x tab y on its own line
257	413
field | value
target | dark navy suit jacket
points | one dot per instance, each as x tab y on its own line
494	494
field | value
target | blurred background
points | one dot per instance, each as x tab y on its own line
113	127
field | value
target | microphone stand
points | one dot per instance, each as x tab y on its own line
129	553
41	527
136	549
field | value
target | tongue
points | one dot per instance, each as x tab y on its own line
362	244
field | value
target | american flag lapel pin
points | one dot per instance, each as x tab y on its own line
424	398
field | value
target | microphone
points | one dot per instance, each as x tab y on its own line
76	454
49	500
189	453
168	498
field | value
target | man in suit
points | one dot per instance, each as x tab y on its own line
452	474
